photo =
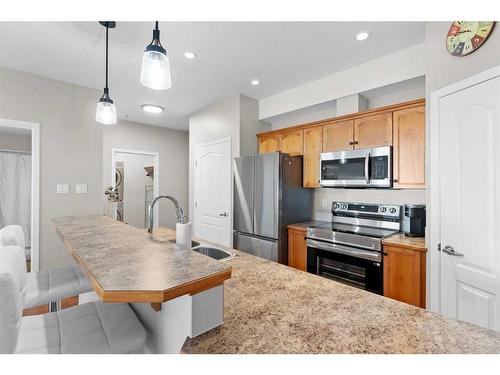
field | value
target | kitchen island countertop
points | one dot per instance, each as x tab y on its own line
272	308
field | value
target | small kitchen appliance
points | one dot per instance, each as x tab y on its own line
414	220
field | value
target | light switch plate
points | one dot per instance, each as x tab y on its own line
62	189
81	188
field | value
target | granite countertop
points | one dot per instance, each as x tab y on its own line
399	239
272	308
126	264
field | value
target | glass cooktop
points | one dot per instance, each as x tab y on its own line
355	229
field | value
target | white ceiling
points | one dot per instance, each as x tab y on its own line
282	55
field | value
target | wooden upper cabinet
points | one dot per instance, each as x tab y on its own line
312	150
373	131
268	143
404	275
292	142
409	148
338	136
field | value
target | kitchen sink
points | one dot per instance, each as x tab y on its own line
193	243
212	252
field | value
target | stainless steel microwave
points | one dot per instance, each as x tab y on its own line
369	167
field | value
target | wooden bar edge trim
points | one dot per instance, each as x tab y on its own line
351	116
404	246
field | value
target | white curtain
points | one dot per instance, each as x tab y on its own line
15	191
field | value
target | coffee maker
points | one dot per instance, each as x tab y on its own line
414	220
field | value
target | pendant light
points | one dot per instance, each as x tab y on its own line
106	111
155	72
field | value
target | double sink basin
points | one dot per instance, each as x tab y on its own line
210	251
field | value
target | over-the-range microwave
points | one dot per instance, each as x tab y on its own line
369	167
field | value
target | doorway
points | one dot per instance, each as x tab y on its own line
213	192
134	176
465	200
19	183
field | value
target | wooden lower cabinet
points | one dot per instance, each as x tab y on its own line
404	274
297	248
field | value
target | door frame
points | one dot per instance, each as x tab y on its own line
156	180
35	185
226	140
434	214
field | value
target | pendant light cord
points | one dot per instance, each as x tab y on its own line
106	57
156	25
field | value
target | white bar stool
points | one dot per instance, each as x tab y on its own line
46	287
89	328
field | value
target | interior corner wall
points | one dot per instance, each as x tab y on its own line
70	149
250	125
173	149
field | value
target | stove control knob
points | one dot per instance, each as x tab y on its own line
344	206
392	210
383	209
337	206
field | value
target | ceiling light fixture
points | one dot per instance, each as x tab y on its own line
362	35
106	111
152	108
255	82
155	72
189	55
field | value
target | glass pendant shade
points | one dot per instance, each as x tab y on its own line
155	72
106	111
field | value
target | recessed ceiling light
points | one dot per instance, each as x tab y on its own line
255	82
152	108
189	55
362	36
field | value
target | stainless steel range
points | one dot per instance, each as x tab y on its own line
349	248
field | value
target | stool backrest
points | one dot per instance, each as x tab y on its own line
12	292
12	235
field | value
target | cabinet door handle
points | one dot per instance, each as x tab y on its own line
351	143
385	253
395	180
356	142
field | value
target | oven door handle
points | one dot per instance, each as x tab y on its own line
367	168
345	250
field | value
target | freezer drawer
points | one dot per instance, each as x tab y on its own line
263	248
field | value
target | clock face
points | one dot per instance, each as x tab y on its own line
465	37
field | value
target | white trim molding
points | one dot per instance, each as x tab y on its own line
35	185
433	219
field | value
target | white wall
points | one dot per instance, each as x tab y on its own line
304	115
18	142
399	66
172	146
250	125
70	149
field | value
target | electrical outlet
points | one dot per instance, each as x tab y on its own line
81	188
62	189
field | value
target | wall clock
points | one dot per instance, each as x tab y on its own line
465	37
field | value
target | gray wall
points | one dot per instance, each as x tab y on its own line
172	146
70	149
19	142
250	125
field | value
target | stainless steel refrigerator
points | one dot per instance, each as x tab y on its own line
268	195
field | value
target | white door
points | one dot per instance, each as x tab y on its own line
469	148
213	192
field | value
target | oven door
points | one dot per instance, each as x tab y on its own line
343	264
345	168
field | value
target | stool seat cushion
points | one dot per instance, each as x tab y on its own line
47	286
93	327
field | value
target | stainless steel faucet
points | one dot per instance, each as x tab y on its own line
178	211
